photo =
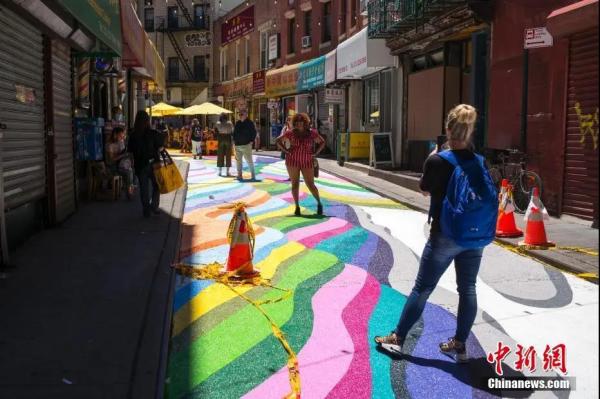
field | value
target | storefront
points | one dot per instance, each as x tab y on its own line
38	185
366	64
259	108
281	86
578	24
239	95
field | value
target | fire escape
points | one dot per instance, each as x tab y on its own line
389	18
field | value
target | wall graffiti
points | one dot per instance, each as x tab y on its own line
588	124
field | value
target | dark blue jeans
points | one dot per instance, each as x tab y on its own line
439	252
150	201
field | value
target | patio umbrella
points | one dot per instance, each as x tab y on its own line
203	109
163	109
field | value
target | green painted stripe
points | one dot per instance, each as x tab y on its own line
236	334
344	245
211	319
383	320
260	362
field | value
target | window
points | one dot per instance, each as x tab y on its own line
371	102
201	16
172	20
200	68
223	62
307	23
326	23
343	12
292	36
237	59
264	50
247	54
149	19
353	12
173	68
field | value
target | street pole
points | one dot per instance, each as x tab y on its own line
524	99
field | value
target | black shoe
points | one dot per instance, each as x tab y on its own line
156	211
297	211
319	209
146	213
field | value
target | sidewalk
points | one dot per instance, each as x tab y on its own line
577	242
86	310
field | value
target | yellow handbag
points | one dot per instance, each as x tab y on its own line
167	174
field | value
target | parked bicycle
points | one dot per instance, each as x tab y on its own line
512	167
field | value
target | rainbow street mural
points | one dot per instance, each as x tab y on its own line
350	273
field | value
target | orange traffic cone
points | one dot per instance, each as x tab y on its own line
535	232
241	241
506	226
503	188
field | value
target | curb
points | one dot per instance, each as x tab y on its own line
537	255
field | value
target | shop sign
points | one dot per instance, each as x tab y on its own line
25	95
537	37
101	17
334	96
238	26
311	74
258	81
273	45
282	82
197	39
239	88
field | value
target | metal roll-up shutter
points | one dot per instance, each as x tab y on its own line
64	180
21	110
580	194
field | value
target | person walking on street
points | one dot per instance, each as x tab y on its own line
298	145
196	139
224	131
244	134
455	179
145	144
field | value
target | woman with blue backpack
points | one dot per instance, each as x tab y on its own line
462	214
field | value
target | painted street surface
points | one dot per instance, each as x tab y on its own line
350	272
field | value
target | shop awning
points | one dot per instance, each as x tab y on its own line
573	18
330	66
311	74
101	17
359	56
282	81
139	52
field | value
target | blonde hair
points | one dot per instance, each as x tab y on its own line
460	122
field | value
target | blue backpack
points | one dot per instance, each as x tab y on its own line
470	208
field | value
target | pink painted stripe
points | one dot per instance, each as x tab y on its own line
357	382
304	232
315	240
277	178
327	354
287	196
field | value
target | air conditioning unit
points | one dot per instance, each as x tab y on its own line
306	41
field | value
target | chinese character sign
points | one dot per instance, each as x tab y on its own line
553	358
238	26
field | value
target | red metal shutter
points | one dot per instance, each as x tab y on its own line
580	194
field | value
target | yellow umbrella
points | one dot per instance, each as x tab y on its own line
163	109
203	109
375	114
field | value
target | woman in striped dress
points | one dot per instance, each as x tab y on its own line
298	145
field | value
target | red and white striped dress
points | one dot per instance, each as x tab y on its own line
301	149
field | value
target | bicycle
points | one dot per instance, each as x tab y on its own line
513	168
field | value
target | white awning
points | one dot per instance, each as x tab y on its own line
360	56
330	66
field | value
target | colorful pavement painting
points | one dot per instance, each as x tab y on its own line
350	272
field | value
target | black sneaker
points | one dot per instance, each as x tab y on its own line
146	213
319	209
297	211
455	349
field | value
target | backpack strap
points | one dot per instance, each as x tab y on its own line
449	156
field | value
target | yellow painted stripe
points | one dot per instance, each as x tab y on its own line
352	200
217	294
279	212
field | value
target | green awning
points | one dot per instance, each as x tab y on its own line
101	17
